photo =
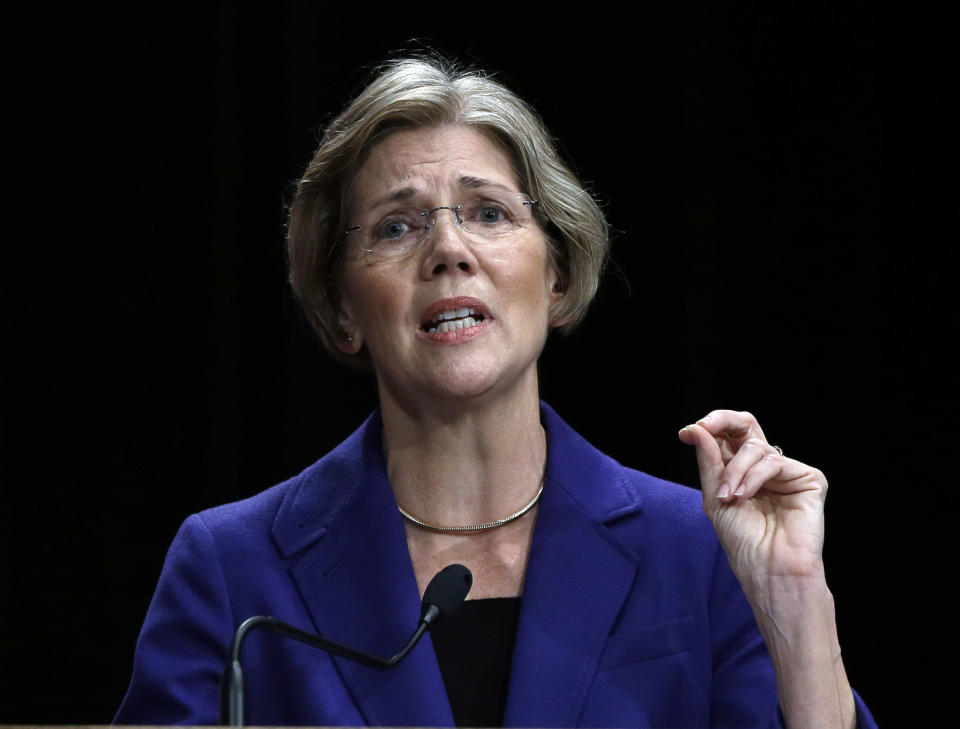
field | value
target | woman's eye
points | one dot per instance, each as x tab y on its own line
489	214
393	229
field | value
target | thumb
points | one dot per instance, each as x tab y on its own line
709	460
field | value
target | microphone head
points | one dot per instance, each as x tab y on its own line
446	592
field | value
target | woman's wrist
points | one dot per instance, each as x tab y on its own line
798	623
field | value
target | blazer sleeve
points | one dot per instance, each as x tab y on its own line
185	638
744	691
742	663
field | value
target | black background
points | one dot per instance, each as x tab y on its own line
781	179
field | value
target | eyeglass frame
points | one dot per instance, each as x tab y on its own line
457	220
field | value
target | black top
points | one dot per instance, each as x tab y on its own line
474	648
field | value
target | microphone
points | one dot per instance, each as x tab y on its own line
443	597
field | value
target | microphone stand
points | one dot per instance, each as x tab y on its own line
449	588
232	688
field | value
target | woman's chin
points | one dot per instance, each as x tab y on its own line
467	380
465	384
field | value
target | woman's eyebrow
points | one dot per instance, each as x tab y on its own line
404	193
470	181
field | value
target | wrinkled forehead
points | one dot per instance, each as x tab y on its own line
425	164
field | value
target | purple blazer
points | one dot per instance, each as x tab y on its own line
630	617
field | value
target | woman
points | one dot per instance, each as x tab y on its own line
437	237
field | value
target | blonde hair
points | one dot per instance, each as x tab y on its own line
416	92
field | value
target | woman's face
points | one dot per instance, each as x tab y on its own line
390	304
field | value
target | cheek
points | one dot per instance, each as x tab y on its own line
532	285
372	298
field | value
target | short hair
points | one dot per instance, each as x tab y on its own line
427	92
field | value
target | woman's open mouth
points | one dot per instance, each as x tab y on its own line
452	319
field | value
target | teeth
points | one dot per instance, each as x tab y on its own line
452	326
455	314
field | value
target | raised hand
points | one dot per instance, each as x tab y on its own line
767	509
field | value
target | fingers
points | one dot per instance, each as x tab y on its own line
740	471
737	425
751	459
758	466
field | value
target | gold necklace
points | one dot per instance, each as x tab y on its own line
475	527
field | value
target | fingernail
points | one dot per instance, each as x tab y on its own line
740	490
724	491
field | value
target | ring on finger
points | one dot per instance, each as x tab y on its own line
777	448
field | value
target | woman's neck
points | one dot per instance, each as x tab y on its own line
465	462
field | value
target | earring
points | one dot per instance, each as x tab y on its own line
350	338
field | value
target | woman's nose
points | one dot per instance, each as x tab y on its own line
447	245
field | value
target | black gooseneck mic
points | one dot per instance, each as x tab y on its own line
443	596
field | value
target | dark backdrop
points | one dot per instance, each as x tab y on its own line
781	181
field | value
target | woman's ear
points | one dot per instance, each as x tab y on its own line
350	341
557	290
557	322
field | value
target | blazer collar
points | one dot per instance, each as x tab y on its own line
594	480
340	527
578	577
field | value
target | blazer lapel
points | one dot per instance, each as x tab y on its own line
356	578
345	539
578	577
